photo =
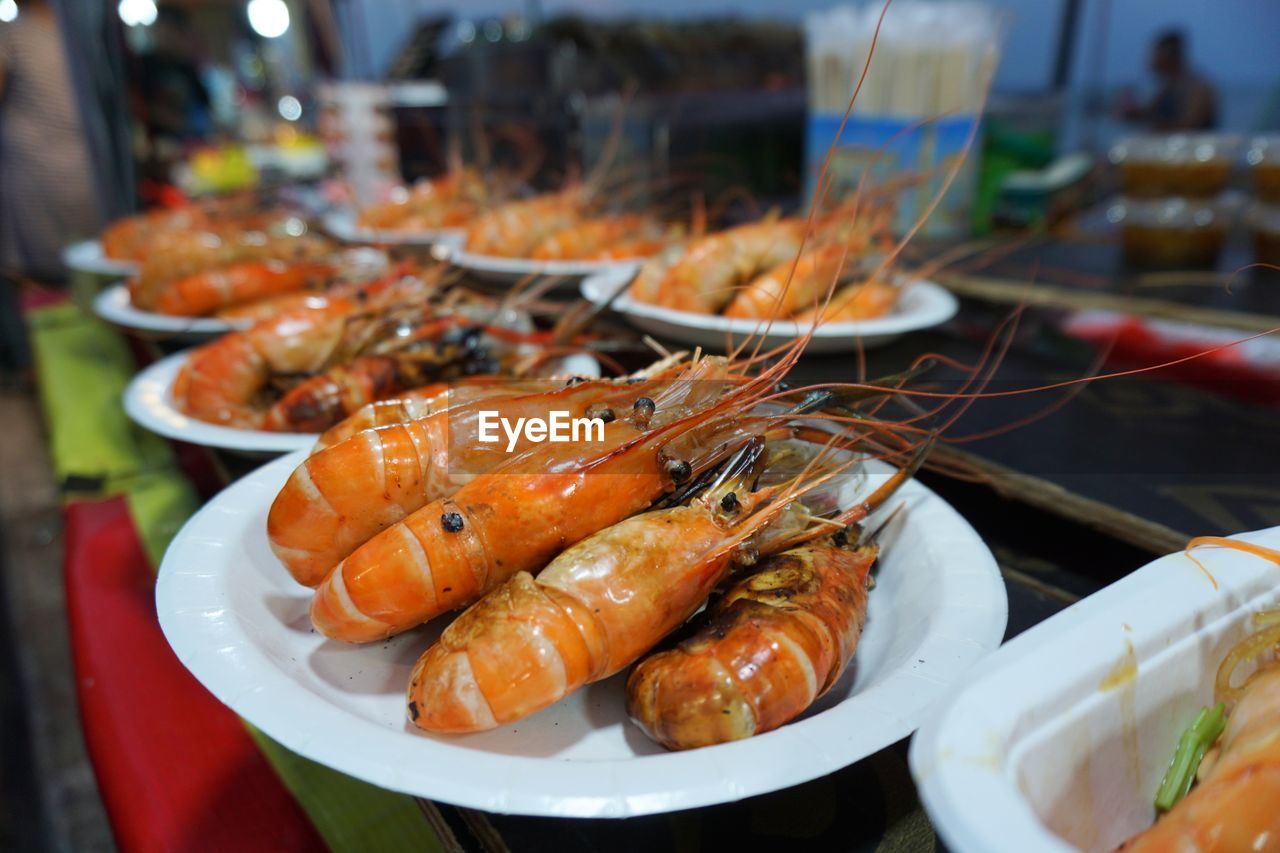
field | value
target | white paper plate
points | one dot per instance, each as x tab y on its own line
512	270
342	224
87	256
921	305
113	305
148	400
238	621
1060	739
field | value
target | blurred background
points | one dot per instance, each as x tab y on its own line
1116	162
716	89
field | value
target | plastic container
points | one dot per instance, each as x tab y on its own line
1263	158
1061	737
1263	221
1194	165
1170	233
917	111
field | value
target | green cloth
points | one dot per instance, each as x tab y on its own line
97	452
350	814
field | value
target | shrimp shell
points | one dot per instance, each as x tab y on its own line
518	516
770	647
703	280
210	290
1234	807
342	496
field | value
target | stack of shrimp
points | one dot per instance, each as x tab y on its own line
777	268
227	264
449	201
305	368
574	561
565	226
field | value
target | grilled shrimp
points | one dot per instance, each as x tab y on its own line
515	229
189	253
362	274
518	516
425	401
223	381
343	495
211	290
429	399
606	601
791	286
703	280
861	300
444	348
445	202
769	648
597	239
261	309
129	239
227	381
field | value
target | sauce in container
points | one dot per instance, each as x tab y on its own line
1180	164
1170	233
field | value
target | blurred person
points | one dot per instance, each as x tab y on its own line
46	195
173	100
1184	99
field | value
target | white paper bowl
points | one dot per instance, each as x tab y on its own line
921	305
1060	739
87	256
114	305
238	621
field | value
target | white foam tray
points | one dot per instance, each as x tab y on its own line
1062	736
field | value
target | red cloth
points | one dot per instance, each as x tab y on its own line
1248	371
177	770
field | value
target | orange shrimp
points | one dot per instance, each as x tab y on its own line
355	268
210	290
444	202
515	229
261	309
452	550
422	402
343	495
436	397
647	284
627	249
593	237
861	300
1233	807
226	381
791	286
129	239
604	602
222	382
191	252
427	343
703	280
767	650
324	400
